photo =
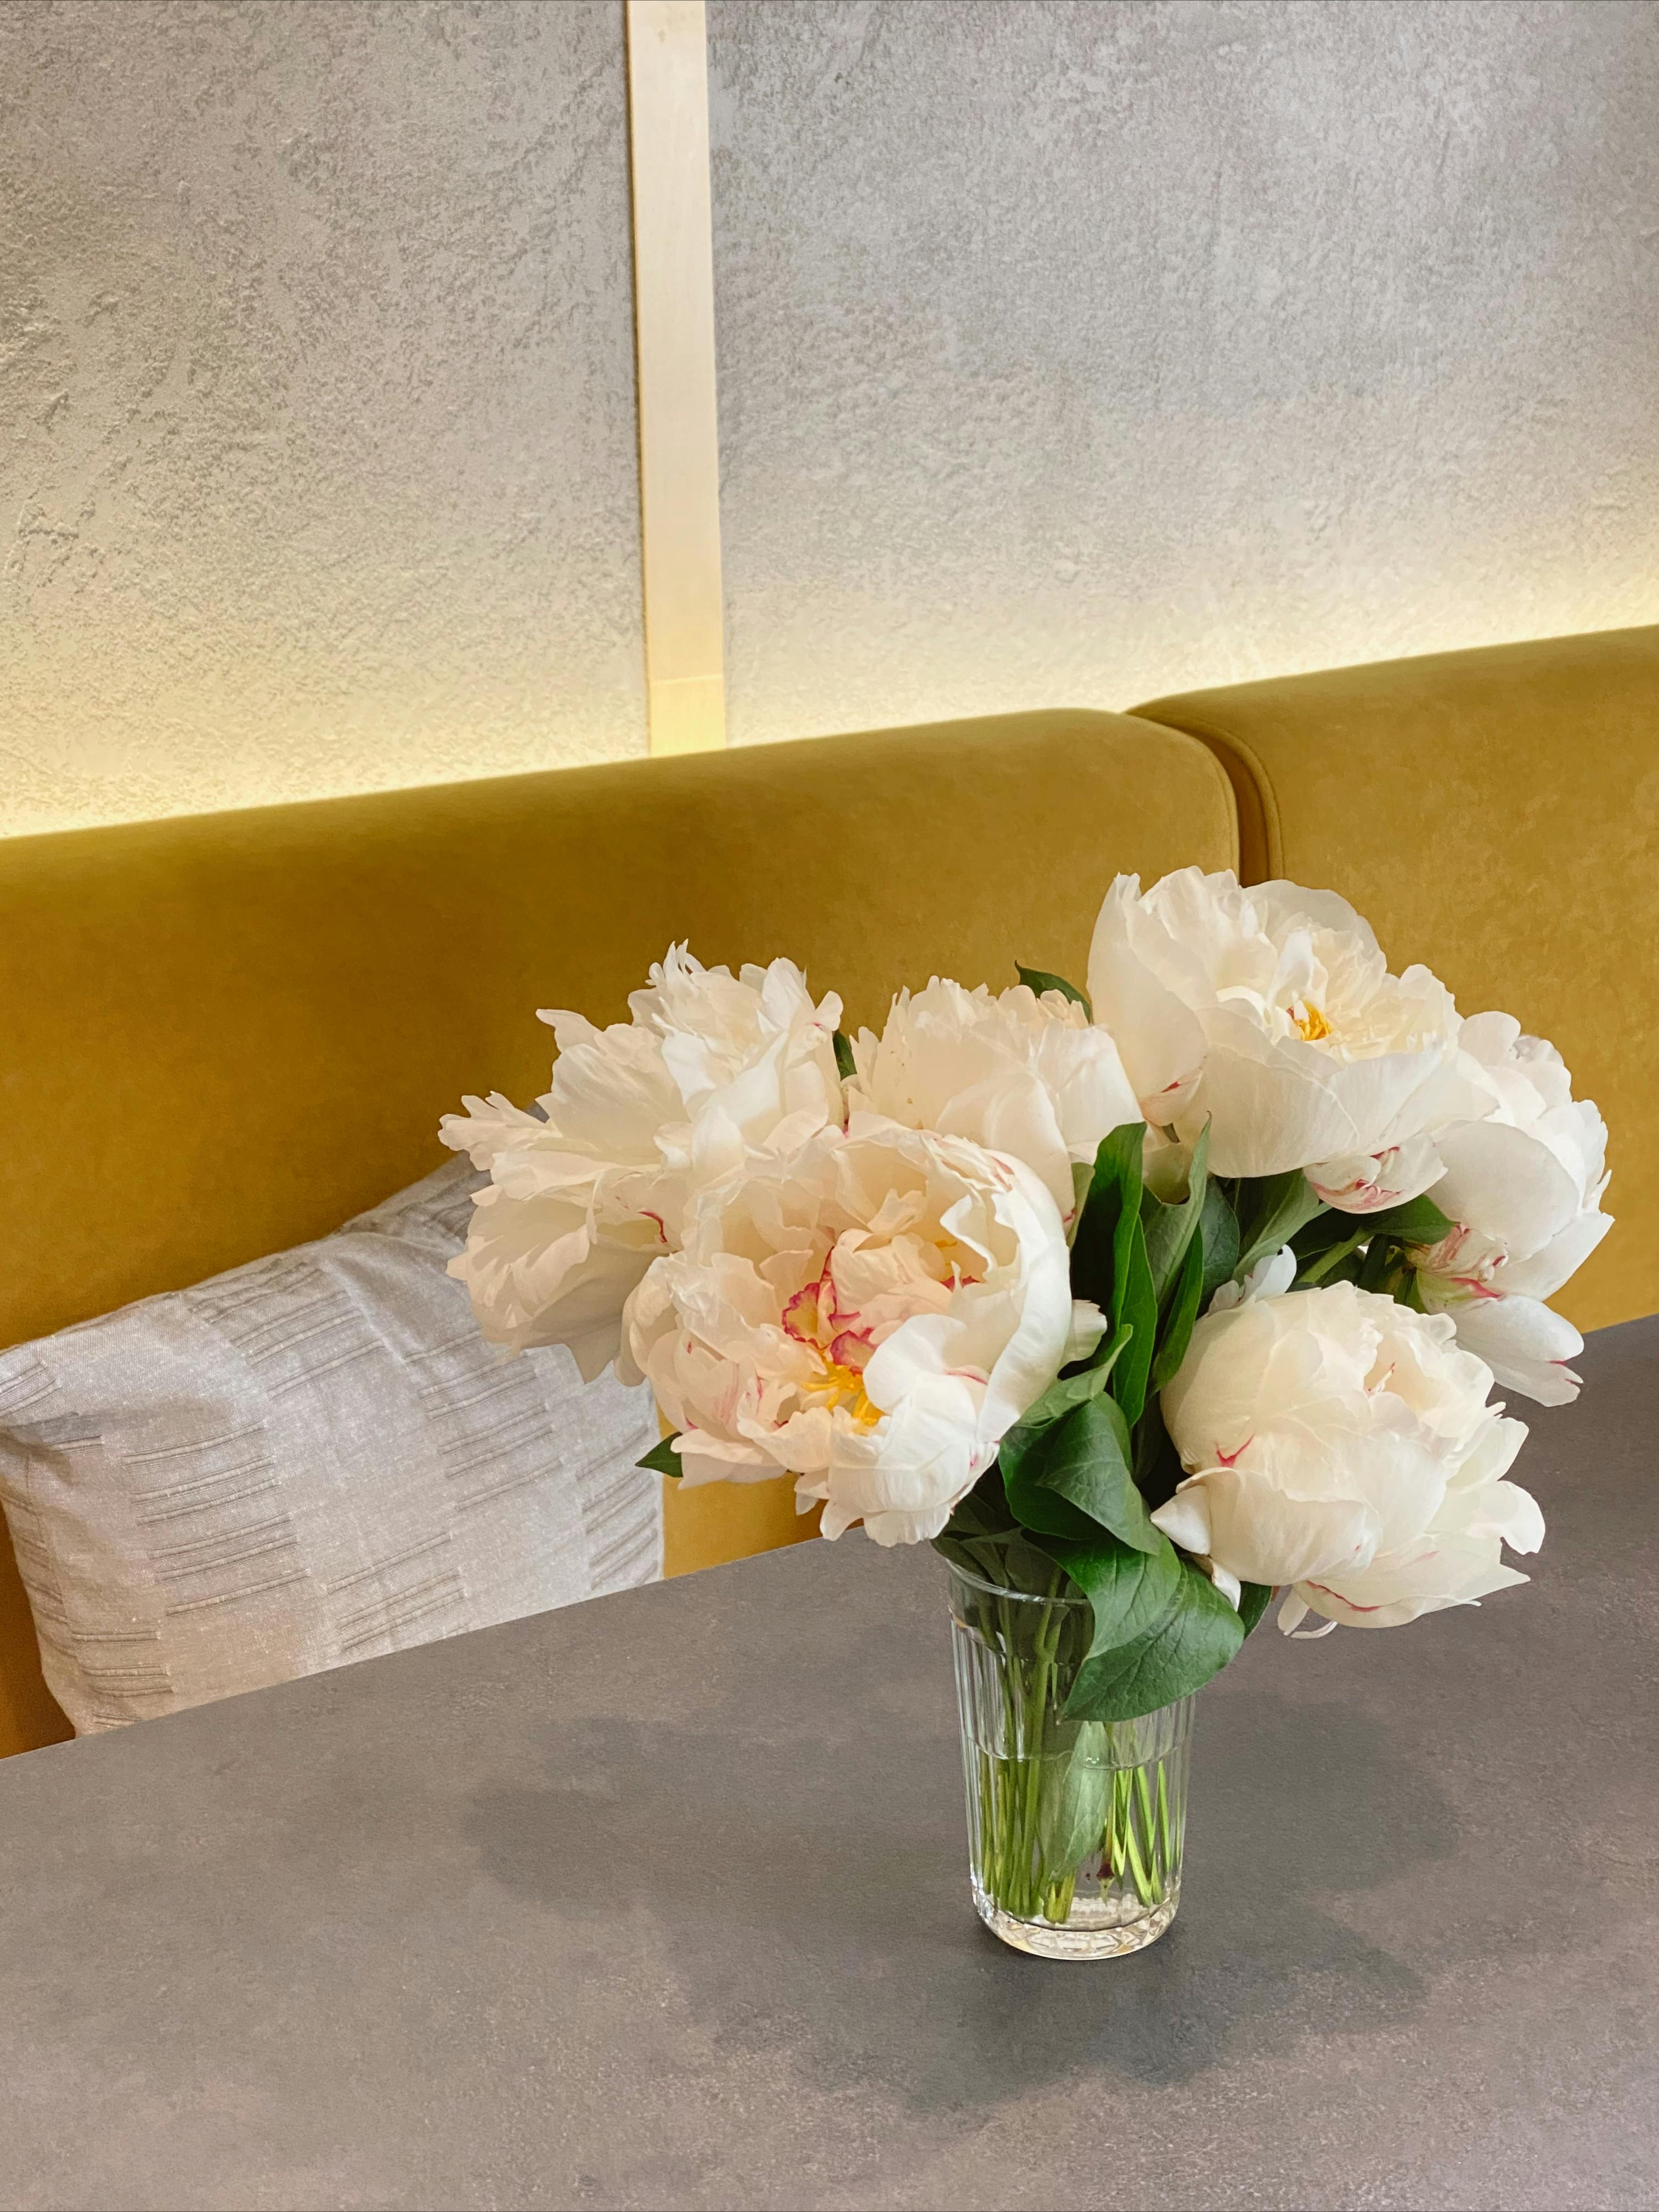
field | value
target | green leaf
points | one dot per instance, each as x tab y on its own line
964	1555
1378	1253
1025	1567
1329	1247
1194	1640
1109	1263
1042	1511
1114	1186
983	1537
1072	1808
1419	1221
1130	1593
1319	1235
1271	1209
1082	1174
1005	1558
1084	1459
1219	1230
846	1066
1006	1562
1253	1599
1140	1315
984	1511
1076	1389
1158	1470
662	1459
1339	1261
1176	1332
1169	1225
1039	980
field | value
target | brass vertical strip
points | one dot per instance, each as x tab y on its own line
674	335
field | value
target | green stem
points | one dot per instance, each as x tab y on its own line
1116	1821
1154	1876
1316	1270
1138	1872
1057	1899
1165	1844
1032	1873
1020	1827
1373	1275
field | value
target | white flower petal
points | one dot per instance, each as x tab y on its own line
587	1192
1346	1445
1185	1518
1524	1186
1544	1272
1526	1344
873	1311
1369	1183
1271	1011
1016	1074
1504	1181
1229	1584
1156	1032
1260	1534
1088	1327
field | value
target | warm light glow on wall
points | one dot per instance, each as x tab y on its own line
674	320
1065	358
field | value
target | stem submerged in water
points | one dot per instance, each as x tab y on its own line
1061	1803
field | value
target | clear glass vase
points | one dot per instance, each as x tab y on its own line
1074	1827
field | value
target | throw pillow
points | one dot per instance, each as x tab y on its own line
306	1461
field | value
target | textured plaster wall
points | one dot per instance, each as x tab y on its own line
317	432
1070	350
1070	353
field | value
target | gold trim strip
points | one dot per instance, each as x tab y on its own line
674	337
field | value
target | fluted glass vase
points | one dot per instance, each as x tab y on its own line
1074	1826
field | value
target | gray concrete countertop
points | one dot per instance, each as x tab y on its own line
662	1902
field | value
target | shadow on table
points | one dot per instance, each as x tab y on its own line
840	1935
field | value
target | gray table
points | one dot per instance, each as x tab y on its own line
661	1902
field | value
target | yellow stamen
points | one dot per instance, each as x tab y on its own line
847	1385
1311	1022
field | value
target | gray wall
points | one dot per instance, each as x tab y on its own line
317	435
1069	352
1073	352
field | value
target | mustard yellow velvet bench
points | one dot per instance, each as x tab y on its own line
226	1033
1496	815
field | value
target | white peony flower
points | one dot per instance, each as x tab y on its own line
1271	1010
637	1115
871	1313
1340	1444
1524	1187
1020	1074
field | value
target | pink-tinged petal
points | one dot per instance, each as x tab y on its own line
1263	1534
802	1316
1370	1182
1526	1345
1348	1446
1507	1185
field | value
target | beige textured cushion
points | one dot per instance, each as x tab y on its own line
306	1461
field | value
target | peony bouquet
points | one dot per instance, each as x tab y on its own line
1139	1304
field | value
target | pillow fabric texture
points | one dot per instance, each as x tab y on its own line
310	1459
